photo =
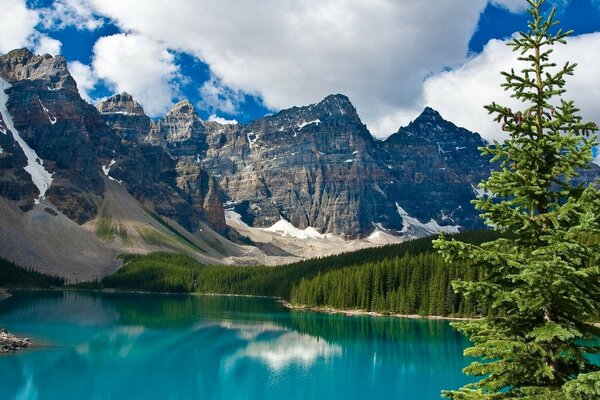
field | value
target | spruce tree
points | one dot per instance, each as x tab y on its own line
541	279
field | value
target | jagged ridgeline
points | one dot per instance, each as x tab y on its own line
81	184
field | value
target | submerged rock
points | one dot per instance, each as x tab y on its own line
9	343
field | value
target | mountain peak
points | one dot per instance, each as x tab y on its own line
22	64
184	107
429	112
122	103
337	104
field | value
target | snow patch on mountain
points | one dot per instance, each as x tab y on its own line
41	178
413	227
285	228
231	215
252	138
303	124
480	193
106	171
52	119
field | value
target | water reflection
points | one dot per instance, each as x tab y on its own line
286	349
115	346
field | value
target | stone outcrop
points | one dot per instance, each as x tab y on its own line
9	343
126	116
181	131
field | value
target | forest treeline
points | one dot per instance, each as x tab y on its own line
405	278
15	276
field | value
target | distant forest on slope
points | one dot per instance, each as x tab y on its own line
406	278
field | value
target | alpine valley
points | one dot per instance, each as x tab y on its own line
80	185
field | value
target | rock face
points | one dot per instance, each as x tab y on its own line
126	116
82	147
9	343
158	171
319	166
314	166
181	131
61	128
436	168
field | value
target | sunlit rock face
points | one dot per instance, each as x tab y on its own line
126	116
318	166
315	167
81	148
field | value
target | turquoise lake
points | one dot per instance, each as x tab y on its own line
141	346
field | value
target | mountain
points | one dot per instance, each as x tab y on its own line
81	184
77	186
318	166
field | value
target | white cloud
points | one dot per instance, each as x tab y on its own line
44	44
460	95
85	78
140	66
512	5
65	13
222	120
386	55
17	24
517	6
291	53
218	97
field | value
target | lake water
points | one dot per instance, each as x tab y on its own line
141	346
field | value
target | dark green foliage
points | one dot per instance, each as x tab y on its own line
156	272
409	269
543	282
409	284
14	276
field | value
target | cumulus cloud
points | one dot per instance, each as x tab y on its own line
77	13
460	94
520	5
388	56
512	5
140	66
85	78
218	97
292	53
222	120
44	44
17	24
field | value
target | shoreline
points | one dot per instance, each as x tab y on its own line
285	303
4	294
357	313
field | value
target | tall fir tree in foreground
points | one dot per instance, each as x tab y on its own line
542	279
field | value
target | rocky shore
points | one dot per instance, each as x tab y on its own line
9	343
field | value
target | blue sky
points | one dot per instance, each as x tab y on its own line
241	60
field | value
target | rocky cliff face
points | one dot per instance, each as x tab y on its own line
314	166
165	174
79	147
436	167
126	116
319	166
181	131
49	116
